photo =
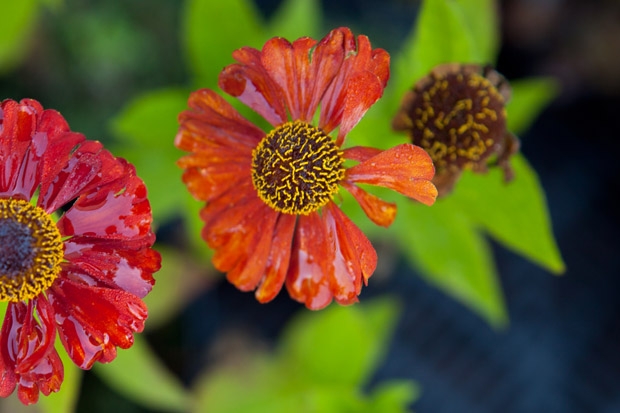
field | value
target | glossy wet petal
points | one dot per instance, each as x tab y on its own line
93	321
311	264
279	258
46	377
404	168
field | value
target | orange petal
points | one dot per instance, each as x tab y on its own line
251	84
405	168
256	246
353	251
307	280
380	212
360	153
279	258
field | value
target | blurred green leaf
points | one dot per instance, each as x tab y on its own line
443	242
394	396
65	400
138	374
336	361
292	380
529	98
296	18
441	34
17	19
482	20
514	213
146	128
212	30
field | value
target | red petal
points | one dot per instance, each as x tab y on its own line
311	263
212	121
360	153
279	258
404	168
46	376
111	265
111	213
251	84
93	321
380	212
18	123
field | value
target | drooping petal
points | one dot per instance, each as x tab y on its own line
380	212
279	258
211	120
8	379
93	321
252	85
311	264
46	377
355	259
404	168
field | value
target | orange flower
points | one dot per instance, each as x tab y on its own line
269	212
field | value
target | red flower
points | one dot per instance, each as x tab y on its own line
269	214
75	250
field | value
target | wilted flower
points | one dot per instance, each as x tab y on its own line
270	214
75	250
457	114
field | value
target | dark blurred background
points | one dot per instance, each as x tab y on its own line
561	350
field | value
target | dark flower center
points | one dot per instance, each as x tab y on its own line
458	118
31	250
296	168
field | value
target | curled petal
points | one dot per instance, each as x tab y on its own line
355	259
279	258
380	212
93	321
311	264
251	84
404	168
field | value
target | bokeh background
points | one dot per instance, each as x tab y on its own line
559	352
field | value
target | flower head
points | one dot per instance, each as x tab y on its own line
270	213
457	114
75	250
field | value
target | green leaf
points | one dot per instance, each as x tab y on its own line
515	213
529	98
444	244
296	18
394	396
65	400
212	30
146	128
339	345
482	20
17	20
137	374
441	34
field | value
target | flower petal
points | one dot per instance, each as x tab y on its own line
360	153
355	259
380	212
93	321
251	84
311	263
111	264
210	121
112	213
279	258
46	377
404	168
